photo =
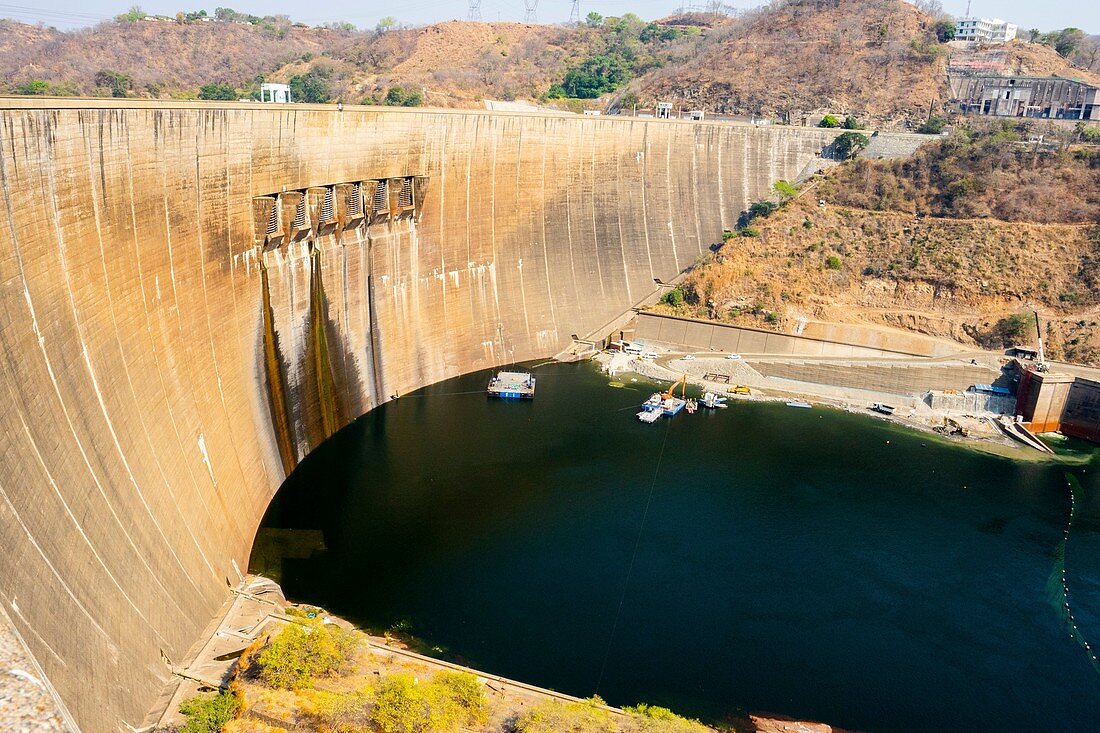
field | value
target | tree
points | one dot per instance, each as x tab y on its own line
311	87
829	121
1065	41
673	298
33	87
217	92
851	123
118	84
385	24
594	76
398	96
132	15
944	29
850	143
785	189
1033	35
594	20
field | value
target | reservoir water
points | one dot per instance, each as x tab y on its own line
809	563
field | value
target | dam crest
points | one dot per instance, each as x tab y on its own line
195	296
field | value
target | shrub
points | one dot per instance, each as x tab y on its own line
217	92
749	232
399	96
133	15
727	235
117	84
1012	330
553	716
449	701
208	713
829	121
33	87
933	125
673	298
851	123
832	262
652	719
301	652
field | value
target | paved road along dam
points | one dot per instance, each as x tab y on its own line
192	297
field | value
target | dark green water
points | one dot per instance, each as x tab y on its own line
810	563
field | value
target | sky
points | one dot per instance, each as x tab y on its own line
66	14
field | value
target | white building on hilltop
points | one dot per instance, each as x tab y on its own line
986	30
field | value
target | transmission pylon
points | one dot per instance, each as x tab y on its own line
532	6
475	10
575	12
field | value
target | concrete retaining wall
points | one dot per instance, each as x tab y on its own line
817	339
151	355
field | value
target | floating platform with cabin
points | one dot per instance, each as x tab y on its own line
512	385
665	403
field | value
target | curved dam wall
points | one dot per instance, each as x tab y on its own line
167	359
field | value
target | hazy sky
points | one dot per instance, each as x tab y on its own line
365	13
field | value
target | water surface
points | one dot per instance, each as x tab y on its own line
811	563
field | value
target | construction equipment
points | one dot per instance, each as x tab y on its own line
672	388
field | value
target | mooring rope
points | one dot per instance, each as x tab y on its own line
633	557
1059	585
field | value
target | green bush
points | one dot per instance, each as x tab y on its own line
399	96
301	652
1013	330
553	716
652	719
933	125
449	701
749	232
785	189
217	92
832	262
851	123
33	88
829	121
208	713
673	298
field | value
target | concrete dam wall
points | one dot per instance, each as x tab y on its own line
192	297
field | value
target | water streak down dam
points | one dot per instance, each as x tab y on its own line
189	305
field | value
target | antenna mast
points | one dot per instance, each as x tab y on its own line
475	10
531	6
575	12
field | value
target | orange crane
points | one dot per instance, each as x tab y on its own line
672	388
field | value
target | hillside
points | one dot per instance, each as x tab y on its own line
791	59
876	59
1016	59
159	57
940	275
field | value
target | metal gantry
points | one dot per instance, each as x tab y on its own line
531	6
475	10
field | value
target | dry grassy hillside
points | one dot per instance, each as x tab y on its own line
1017	59
850	248
157	56
942	277
876	59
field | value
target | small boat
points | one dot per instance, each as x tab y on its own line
649	416
712	401
799	403
617	385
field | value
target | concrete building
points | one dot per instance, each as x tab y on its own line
985	30
277	93
1023	96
